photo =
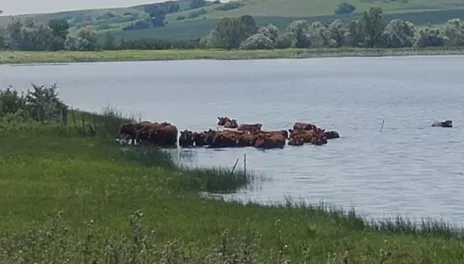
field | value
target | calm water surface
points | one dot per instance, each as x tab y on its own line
410	169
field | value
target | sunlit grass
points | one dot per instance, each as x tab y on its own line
19	57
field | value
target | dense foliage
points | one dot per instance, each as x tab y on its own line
369	31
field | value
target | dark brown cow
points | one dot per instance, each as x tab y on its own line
128	130
222	120
186	139
331	134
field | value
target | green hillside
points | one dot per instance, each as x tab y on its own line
305	8
192	29
188	23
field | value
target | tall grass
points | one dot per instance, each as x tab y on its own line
19	57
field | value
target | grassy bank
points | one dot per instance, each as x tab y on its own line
69	196
19	57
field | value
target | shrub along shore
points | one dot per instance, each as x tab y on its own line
70	194
23	57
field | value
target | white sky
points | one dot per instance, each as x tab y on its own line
15	7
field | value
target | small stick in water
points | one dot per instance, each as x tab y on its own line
235	165
381	128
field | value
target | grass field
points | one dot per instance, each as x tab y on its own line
68	197
277	12
20	57
192	29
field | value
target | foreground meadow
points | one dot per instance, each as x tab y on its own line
23	57
70	194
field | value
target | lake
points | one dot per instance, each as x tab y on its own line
409	168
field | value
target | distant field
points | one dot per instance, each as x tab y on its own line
305	8
278	12
192	29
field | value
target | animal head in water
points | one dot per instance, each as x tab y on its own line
448	123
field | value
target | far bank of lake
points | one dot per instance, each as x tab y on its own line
24	57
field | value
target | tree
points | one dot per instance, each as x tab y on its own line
231	31
299	34
399	33
28	36
85	40
338	32
454	32
320	36
2	39
60	28
109	41
344	8
257	41
270	31
355	36
429	37
372	25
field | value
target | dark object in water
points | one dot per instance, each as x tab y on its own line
446	123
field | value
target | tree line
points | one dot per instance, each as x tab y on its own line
369	31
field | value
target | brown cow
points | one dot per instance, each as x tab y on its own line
305	135
224	139
232	123
162	134
204	138
253	128
246	140
280	132
298	126
270	141
319	139
296	141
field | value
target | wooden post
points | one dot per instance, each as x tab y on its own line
244	165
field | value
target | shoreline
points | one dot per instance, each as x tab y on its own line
43	57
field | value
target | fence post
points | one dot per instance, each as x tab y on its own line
74	118
64	113
83	122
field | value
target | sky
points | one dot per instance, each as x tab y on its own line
15	7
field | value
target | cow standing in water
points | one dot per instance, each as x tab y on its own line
446	123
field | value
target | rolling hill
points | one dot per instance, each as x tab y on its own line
188	23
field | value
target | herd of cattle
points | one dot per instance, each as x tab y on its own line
234	135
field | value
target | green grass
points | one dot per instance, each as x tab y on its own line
72	198
19	57
303	8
